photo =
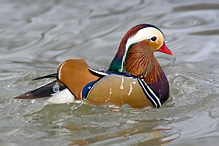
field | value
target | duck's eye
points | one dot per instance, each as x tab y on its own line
154	38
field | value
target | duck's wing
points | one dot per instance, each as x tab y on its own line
75	75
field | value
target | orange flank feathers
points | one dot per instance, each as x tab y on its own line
75	74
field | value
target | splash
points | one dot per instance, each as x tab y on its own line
75	106
121	86
130	89
174	62
110	93
33	101
56	87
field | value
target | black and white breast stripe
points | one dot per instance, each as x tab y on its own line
97	73
90	88
149	93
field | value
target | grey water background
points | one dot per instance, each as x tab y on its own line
36	35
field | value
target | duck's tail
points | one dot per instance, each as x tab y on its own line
44	91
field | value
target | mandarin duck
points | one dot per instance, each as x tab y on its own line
134	76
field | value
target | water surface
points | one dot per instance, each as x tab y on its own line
35	36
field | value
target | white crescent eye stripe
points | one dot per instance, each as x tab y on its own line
143	34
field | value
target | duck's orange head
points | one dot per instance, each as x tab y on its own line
145	38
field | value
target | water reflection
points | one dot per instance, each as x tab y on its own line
142	137
36	36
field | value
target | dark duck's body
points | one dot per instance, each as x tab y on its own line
134	76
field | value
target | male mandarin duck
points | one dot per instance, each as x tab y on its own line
134	76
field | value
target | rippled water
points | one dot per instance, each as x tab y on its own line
35	36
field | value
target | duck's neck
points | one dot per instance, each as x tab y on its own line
141	62
118	63
153	75
157	80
